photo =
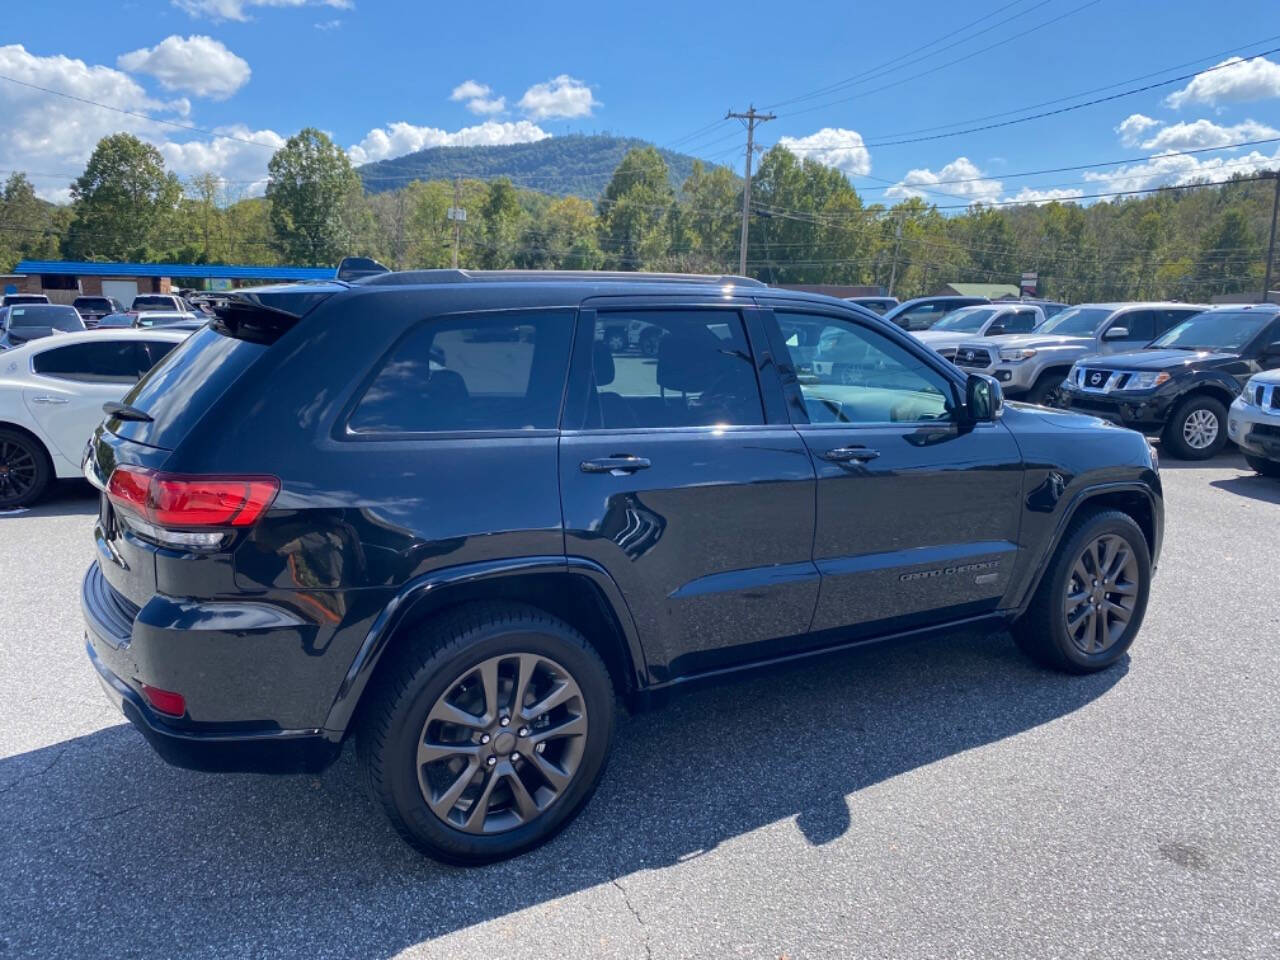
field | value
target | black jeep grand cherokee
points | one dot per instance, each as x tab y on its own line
435	512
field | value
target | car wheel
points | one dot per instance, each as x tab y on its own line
616	340
1048	391
1197	428
1268	468
1090	603
25	470
487	732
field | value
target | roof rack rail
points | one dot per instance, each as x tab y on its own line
414	277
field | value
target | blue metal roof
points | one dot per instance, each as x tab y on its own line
218	271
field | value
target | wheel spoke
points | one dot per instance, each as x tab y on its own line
1116	611
1073	622
431	752
528	663
446	712
445	802
526	806
489	685
573	727
558	778
564	691
1100	626
480	808
1126	588
1109	549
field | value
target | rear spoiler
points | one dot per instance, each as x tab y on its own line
264	314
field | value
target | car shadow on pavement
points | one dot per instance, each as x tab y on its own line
64	498
1253	486
109	851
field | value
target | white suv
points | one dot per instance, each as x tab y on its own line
1253	422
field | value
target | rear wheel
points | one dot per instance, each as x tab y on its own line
25	471
1197	428
488	732
1268	468
1090	604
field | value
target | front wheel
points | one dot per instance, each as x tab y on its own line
1263	466
1048	391
1090	604
487	732
1197	428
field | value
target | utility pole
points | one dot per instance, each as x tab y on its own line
457	214
752	118
893	270
1271	247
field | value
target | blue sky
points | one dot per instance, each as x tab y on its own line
387	77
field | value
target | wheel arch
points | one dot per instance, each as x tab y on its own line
41	446
575	590
1134	499
1211	388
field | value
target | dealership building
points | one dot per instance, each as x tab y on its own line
64	280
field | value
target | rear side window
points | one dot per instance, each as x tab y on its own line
499	371
693	368
120	361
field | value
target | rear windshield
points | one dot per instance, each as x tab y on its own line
180	389
93	303
55	318
153	301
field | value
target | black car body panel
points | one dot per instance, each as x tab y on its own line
733	545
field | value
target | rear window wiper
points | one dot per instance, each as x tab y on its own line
123	411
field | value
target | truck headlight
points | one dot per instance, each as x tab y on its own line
1247	394
1013	355
1145	380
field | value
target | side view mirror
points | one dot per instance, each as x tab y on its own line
1116	333
983	398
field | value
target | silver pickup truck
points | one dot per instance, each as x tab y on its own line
1032	366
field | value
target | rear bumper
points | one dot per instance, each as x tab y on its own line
224	747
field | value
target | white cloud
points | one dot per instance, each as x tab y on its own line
833	147
478	97
243	165
239	9
1206	133
976	187
197	64
1133	127
1180	169
1033	195
397	139
1256	79
562	97
328	24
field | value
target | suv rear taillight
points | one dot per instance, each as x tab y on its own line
189	510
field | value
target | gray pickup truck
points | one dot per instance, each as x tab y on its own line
1032	366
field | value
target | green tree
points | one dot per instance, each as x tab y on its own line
500	217
710	206
563	238
125	202
26	223
1227	256
636	212
316	200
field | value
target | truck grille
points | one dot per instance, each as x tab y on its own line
972	357
1267	396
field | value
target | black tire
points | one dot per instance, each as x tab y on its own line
1042	632
428	666
1268	468
1048	391
1178	429
25	470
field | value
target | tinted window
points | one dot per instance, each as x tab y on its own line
1168	319
923	316
1141	325
495	372
1215	330
1020	321
164	302
851	374
700	373
109	361
92	303
966	319
1076	322
55	318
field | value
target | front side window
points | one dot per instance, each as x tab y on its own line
849	373
108	361
501	371
700	373
922	317
1020	321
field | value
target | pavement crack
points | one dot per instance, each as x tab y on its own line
644	927
36	774
113	813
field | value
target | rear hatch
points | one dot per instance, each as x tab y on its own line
155	417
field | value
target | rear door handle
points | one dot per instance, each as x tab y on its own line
850	454
48	399
618	465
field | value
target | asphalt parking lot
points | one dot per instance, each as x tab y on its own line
932	799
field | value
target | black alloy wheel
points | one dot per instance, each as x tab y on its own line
24	470
1101	594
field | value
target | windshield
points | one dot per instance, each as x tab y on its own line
1076	322
154	301
57	318
1214	331
965	320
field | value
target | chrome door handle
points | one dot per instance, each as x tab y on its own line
616	465
848	454
46	399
